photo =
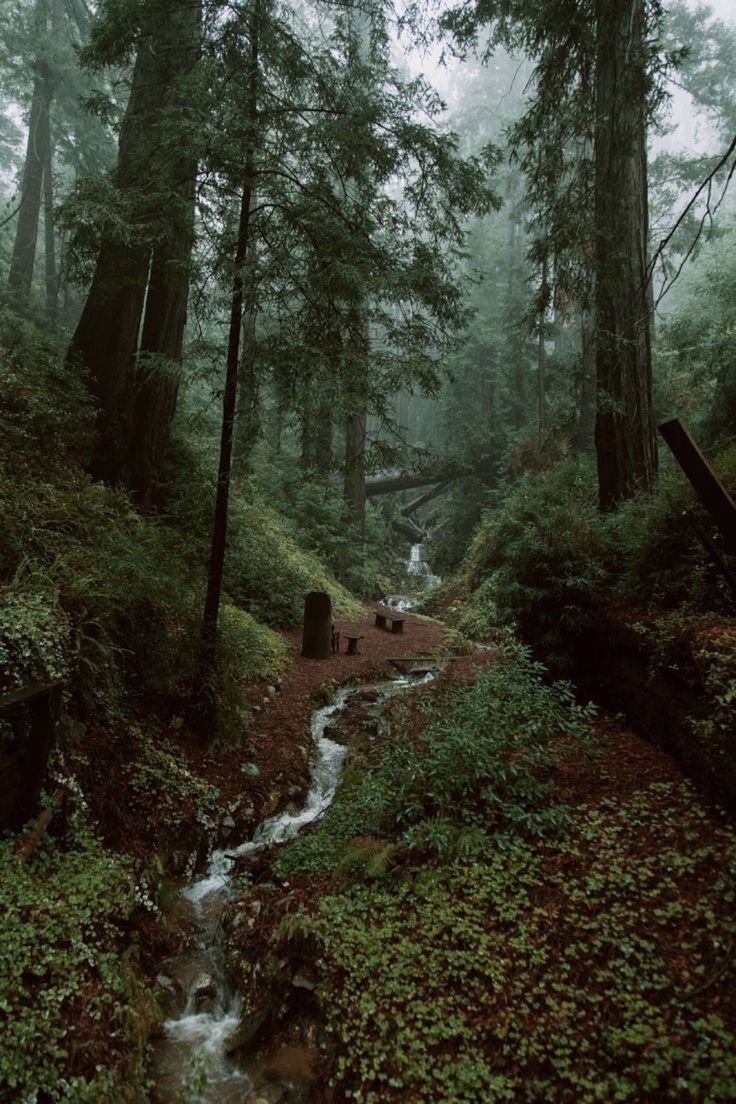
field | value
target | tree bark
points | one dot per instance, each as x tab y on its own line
585	429
156	369
23	257
107	333
625	432
52	277
230	394
354	487
542	355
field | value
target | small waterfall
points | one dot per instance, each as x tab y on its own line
419	577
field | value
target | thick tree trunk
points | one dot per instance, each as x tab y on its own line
106	336
24	246
156	369
625	432
230	394
156	378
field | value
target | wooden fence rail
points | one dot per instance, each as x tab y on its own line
27	726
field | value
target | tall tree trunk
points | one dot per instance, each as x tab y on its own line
52	277
248	412
230	394
354	482
24	246
323	435
585	428
107	333
625	432
542	355
155	383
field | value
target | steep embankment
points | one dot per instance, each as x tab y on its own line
109	602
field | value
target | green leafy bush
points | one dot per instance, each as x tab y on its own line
483	765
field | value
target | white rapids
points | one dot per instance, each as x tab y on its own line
419	577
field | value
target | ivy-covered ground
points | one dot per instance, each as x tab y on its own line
513	901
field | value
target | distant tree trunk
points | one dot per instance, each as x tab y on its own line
52	277
625	432
37	148
542	355
230	394
323	435
356	423
402	423
354	482
585	428
248	412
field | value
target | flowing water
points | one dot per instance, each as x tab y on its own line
192	1058
193	1054
419	576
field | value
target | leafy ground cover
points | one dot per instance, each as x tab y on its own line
75	1011
562	933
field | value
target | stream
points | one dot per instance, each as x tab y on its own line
191	1060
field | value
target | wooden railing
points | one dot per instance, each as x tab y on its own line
28	720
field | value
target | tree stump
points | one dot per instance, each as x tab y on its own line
317	633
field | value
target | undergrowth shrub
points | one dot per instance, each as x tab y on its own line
483	766
546	561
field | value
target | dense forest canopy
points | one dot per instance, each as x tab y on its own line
422	314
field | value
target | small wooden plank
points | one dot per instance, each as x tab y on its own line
13	700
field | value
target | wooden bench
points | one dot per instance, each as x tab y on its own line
383	618
352	648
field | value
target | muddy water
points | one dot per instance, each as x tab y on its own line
191	1060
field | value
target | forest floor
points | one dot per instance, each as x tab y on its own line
592	964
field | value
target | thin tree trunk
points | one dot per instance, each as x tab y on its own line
625	432
354	482
542	356
323	436
585	428
52	276
230	394
248	411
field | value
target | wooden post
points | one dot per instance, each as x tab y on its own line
706	484
317	634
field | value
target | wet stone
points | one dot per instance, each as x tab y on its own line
204	992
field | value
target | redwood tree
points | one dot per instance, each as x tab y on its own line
625	431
